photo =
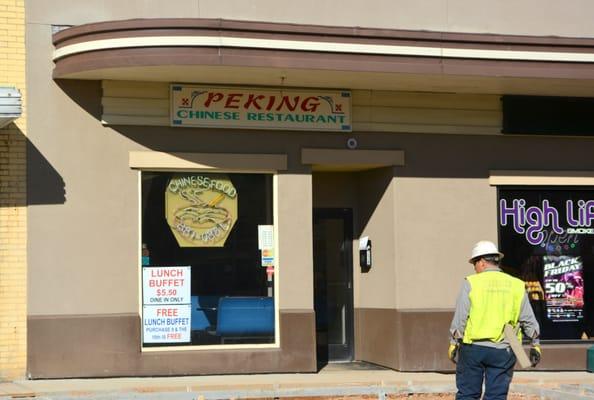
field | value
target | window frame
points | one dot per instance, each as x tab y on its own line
541	180
277	268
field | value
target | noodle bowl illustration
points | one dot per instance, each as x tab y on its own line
202	214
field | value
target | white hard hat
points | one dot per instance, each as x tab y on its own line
483	248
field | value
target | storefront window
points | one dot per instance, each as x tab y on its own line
547	236
208	259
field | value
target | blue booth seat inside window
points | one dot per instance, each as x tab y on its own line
204	312
245	316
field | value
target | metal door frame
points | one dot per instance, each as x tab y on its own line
346	214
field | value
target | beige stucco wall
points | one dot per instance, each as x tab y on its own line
295	241
83	223
532	17
83	229
334	190
438	221
444	204
422	222
377	287
370	194
86	242
83	210
422	229
439	204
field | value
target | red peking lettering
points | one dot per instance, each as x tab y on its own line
232	100
253	100
213	97
286	101
310	104
271	101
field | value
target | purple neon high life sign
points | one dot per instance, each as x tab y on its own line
531	221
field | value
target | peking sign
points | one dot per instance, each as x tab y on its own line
260	108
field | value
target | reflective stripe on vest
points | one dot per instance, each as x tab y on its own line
495	300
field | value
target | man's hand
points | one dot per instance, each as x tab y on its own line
453	352
535	355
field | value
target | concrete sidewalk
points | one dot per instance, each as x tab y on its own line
331	381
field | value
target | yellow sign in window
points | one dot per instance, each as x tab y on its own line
201	209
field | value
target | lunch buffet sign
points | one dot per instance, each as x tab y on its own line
260	108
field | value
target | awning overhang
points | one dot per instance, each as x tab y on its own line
351	160
10	105
250	53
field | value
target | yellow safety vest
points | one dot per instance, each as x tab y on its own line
495	300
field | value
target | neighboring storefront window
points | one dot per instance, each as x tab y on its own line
547	236
207	267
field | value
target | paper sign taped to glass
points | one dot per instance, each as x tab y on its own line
265	237
267	257
564	288
201	209
166	324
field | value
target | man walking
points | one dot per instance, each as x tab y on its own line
488	301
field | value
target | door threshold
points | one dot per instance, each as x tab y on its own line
351	366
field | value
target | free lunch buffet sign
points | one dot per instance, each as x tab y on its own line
260	108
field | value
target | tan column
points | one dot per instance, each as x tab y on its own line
376	289
294	215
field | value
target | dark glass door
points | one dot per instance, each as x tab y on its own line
333	283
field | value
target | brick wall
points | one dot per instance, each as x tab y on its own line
13	197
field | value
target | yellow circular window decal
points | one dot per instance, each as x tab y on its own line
201	209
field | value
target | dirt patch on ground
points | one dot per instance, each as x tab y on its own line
450	396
